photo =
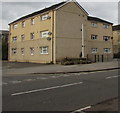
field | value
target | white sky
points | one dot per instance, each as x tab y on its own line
14	9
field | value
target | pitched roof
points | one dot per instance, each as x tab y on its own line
38	12
98	20
55	6
4	32
116	27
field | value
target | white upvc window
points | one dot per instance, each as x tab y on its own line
23	24
22	37
22	51
14	39
32	50
107	50
105	26
94	50
14	51
32	36
45	17
32	21
15	26
44	34
94	37
106	38
44	50
118	33
93	24
119	42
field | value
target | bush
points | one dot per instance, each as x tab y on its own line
4	51
71	61
67	63
117	55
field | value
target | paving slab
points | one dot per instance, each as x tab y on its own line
54	69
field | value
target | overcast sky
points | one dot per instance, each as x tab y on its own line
14	10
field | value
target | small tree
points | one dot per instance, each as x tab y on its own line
4	50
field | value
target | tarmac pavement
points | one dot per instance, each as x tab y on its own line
57	69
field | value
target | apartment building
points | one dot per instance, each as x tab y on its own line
116	39
62	30
100	39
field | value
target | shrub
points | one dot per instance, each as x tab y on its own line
71	61
117	55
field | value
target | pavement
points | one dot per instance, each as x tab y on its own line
30	68
107	106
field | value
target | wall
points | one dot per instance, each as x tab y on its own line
116	38
27	43
99	43
69	19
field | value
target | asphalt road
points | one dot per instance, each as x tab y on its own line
62	92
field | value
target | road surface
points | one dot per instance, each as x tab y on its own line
61	92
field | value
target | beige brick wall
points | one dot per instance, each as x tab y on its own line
65	25
27	43
116	39
69	21
100	44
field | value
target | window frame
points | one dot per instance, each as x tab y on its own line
23	24
44	17
106	26
94	37
118	33
118	42
22	51
41	34
14	51
44	50
107	49
22	37
32	36
106	38
14	39
15	26
32	21
32	50
95	50
94	24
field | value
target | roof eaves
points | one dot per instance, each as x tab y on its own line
75	3
98	20
62	5
116	27
38	12
82	8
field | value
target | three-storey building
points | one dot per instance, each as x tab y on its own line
116	39
49	35
100	39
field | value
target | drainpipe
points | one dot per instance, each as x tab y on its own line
83	41
8	41
52	36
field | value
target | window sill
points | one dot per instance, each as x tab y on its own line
44	53
43	37
107	53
